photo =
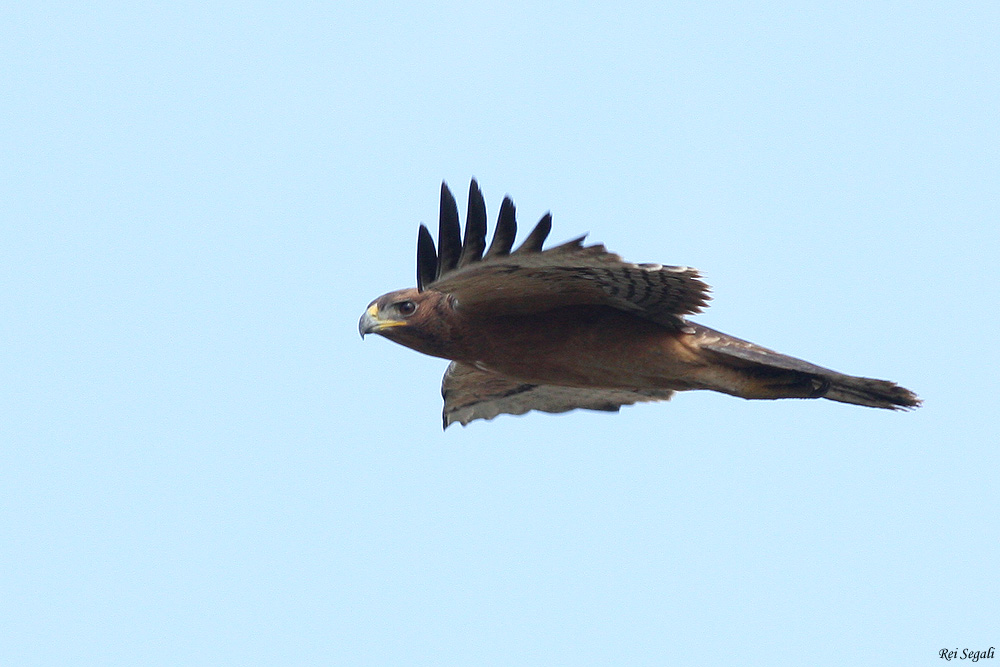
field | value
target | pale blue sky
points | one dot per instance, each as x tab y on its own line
203	464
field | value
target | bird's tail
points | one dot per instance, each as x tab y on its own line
764	373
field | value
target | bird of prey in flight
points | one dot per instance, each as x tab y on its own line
576	326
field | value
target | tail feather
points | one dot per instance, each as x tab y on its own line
870	392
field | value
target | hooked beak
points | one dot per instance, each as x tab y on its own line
371	323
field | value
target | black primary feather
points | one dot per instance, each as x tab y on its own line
503	235
475	227
427	261
537	236
449	233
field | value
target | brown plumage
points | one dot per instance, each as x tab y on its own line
575	326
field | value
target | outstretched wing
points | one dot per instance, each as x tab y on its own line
504	281
470	393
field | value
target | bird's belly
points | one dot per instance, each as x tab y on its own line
606	348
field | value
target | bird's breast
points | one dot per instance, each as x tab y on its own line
583	346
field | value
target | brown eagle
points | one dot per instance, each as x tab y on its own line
575	326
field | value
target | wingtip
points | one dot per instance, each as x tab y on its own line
449	233
427	261
536	238
447	420
505	231
475	227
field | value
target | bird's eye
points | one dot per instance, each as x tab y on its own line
406	308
